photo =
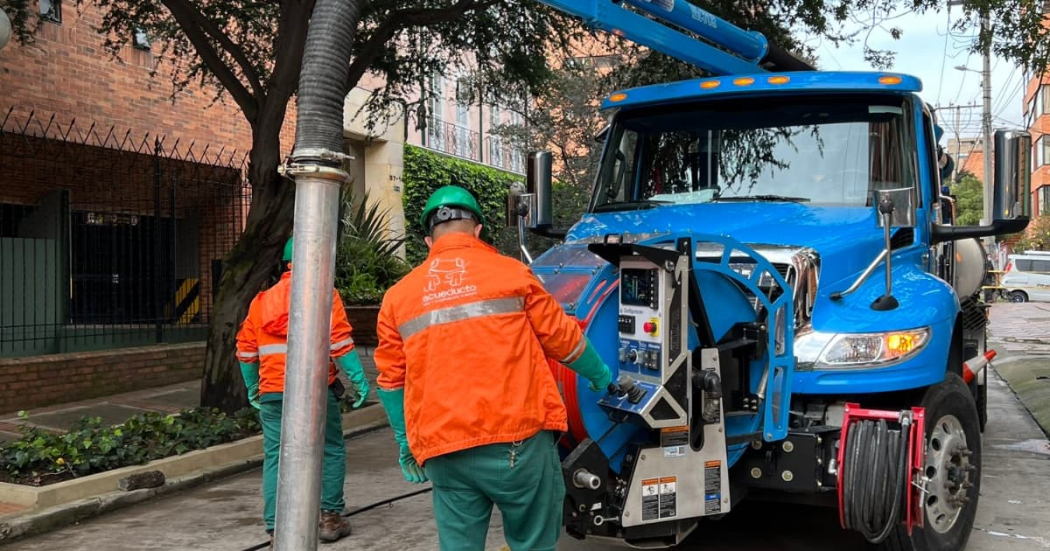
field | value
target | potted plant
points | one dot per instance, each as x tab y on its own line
368	262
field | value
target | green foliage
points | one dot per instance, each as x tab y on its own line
425	171
1037	236
367	261
40	457
969	200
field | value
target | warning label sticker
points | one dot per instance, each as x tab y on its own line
674	437
668	497
650	499
712	487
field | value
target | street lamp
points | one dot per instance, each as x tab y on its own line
986	127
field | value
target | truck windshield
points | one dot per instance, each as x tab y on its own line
820	151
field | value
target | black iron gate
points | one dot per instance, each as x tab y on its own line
108	239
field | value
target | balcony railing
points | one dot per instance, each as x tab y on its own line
453	139
501	154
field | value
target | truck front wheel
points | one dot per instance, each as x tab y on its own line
953	471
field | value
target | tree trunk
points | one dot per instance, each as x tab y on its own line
247	267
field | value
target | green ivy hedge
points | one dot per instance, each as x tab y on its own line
426	171
41	457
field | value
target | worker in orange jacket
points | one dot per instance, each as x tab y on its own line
463	375
262	345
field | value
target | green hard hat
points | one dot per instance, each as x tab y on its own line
287	251
452	197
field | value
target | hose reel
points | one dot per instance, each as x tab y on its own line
879	470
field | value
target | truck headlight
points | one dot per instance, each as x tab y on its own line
816	350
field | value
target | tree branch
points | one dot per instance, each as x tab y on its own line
183	15
399	20
234	50
289	46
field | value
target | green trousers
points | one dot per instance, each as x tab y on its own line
523	479
333	469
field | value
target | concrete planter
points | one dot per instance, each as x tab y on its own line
247	452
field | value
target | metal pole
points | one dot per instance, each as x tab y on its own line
958	148
986	75
305	393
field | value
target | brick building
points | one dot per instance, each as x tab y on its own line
117	205
1037	113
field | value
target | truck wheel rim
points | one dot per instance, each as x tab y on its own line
950	474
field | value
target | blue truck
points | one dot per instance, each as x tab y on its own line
769	265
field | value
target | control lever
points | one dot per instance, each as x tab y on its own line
627	386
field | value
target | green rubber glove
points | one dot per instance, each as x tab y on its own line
591	366
394	404
250	373
351	365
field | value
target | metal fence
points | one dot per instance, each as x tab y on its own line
108	238
453	139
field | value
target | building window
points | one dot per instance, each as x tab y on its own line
462	117
141	39
51	10
1041	155
495	145
1042	100
436	124
1044	200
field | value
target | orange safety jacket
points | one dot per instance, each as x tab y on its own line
467	334
263	337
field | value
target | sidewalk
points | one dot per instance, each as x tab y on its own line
227	515
1020	333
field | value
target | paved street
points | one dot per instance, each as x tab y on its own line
1014	511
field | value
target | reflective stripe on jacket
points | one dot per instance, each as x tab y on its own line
467	334
263	336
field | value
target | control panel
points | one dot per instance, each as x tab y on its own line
652	348
641	319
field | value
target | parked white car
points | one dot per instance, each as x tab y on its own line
1027	277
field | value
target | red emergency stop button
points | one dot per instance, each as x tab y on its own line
649	327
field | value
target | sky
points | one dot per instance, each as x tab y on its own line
926	50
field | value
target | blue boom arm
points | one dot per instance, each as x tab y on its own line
615	18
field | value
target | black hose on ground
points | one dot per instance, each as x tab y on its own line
322	81
874	478
369	507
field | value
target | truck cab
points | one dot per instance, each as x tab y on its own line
767	261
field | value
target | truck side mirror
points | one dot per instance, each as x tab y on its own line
1011	193
538	180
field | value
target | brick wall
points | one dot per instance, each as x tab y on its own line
67	72
363	320
40	381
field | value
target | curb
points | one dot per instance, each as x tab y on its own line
34	522
1027	378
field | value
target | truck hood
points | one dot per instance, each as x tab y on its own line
846	238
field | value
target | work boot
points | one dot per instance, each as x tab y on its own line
334	526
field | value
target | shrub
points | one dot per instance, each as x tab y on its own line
425	171
366	262
40	457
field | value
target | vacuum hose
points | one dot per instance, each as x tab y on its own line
874	478
322	81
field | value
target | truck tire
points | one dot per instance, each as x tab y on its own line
952	430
